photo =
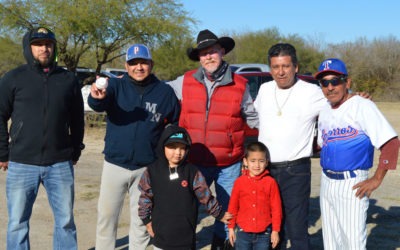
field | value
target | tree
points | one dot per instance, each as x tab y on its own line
103	27
11	55
252	47
171	59
374	66
308	56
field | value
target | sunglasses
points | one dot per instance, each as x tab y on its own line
334	81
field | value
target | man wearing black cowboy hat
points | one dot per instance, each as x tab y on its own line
216	104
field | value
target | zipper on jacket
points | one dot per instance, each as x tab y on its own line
45	115
208	107
208	104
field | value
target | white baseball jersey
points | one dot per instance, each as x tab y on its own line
348	136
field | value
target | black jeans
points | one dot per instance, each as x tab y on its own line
295	184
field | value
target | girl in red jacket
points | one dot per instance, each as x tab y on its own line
255	203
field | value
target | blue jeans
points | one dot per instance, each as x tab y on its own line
22	186
223	178
253	241
294	184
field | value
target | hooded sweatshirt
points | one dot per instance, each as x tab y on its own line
171	205
46	110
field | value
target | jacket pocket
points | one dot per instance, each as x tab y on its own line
14	133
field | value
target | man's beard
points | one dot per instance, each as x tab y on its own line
212	67
45	62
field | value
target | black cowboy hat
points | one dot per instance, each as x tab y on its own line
206	39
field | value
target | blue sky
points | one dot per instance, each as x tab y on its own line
332	21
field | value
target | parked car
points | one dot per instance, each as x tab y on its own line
117	72
255	79
88	76
249	67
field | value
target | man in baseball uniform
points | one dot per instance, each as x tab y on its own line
349	128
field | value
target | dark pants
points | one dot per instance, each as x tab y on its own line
294	184
253	241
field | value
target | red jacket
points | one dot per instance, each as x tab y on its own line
255	203
217	132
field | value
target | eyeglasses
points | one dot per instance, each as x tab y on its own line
334	81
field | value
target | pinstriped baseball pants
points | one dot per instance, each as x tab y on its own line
343	214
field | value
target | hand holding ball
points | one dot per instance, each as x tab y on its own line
101	83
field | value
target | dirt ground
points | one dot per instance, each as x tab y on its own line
383	214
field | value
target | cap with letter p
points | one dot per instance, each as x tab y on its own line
332	65
138	51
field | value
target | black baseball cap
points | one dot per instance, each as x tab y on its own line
41	33
178	137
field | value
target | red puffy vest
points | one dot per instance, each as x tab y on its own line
218	133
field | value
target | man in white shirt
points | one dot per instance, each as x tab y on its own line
288	108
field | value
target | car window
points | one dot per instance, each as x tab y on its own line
85	78
233	68
250	70
266	79
255	80
254	84
117	73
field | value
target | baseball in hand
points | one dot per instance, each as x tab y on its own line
101	83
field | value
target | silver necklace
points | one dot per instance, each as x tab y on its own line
280	107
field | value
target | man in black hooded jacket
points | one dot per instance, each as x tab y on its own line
45	105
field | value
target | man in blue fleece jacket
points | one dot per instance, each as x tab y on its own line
138	106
